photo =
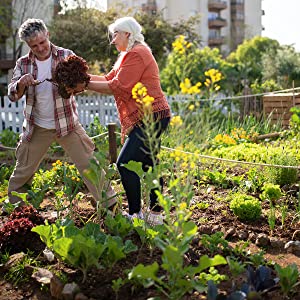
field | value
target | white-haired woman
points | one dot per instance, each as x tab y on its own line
134	64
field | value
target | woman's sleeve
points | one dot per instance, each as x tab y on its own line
129	74
110	75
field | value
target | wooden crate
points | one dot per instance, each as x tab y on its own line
277	106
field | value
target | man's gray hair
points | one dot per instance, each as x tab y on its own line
31	28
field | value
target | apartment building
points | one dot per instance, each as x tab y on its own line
224	23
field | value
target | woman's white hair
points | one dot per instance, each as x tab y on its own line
130	25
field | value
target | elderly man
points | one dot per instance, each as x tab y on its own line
48	117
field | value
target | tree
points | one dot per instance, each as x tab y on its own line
84	30
283	68
248	57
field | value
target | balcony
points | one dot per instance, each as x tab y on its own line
214	41
216	5
217	23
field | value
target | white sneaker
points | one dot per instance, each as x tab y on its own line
138	215
154	219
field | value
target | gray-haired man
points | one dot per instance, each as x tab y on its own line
48	117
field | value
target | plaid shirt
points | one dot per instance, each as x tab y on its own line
65	110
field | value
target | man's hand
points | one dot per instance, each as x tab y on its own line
26	81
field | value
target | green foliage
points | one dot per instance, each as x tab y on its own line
271	192
269	85
9	138
5	172
214	242
84	30
282	176
236	267
18	274
284	69
181	279
190	63
117	225
245	207
288	277
295	122
260	153
248	57
82	248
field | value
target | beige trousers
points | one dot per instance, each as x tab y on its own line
77	144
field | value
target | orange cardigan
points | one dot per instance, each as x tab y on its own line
137	65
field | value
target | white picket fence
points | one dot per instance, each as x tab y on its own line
89	107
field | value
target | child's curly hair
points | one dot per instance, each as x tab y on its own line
69	72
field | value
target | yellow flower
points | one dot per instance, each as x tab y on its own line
192	165
147	100
182	205
176	121
191	107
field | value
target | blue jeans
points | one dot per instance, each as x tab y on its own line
135	149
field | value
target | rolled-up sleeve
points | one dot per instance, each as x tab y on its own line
127	76
12	87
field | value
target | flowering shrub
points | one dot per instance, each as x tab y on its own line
56	176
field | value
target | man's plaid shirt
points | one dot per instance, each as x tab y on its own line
65	110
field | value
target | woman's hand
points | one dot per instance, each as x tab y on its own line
80	87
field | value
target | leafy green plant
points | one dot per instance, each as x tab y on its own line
118	225
100	176
214	242
245	207
9	138
82	248
4	257
180	279
282	176
256	259
271	192
255	180
5	172
288	277
236	268
295	121
37	195
16	235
